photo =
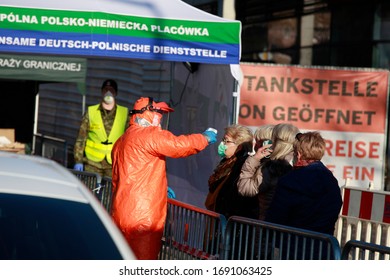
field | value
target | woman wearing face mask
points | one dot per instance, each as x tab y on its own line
223	196
259	175
100	127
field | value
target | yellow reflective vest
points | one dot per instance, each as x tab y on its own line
98	145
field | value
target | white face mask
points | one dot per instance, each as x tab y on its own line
108	98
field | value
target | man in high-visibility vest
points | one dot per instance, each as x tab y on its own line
101	125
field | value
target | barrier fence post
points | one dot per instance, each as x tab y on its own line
100	187
191	232
250	239
360	250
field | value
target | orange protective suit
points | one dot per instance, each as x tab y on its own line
140	182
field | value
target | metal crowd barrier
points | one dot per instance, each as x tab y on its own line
101	187
50	147
194	233
249	239
191	233
360	250
106	194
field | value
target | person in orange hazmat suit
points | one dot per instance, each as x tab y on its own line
139	174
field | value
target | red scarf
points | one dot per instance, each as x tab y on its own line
303	162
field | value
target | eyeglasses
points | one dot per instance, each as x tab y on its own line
225	141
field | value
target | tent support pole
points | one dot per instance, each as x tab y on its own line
236	102
83	105
35	130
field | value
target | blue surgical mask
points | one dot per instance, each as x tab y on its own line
221	149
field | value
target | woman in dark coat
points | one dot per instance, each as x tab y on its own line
223	196
308	197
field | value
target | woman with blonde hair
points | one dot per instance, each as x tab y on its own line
264	132
259	176
283	137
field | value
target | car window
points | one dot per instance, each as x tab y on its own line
43	228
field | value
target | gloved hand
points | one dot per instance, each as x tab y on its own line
171	193
78	167
211	135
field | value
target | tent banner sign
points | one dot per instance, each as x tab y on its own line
347	106
86	33
42	68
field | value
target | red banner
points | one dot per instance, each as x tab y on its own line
348	107
313	98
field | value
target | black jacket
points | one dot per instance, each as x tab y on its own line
229	202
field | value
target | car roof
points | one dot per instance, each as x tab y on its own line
34	175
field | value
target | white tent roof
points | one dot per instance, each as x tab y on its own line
172	9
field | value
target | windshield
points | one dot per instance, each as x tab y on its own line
52	229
